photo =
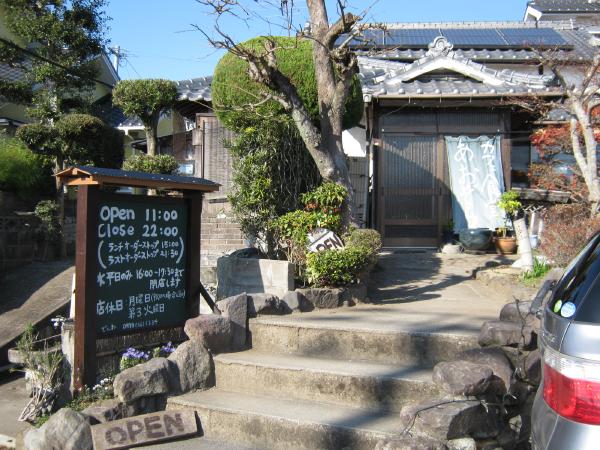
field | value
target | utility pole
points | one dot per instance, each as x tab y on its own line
116	57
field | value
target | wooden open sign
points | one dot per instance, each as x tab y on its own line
323	239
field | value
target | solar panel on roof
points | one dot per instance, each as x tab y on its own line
532	36
474	38
411	37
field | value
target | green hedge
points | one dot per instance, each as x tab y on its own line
21	170
233	90
336	267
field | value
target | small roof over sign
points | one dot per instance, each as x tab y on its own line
87	175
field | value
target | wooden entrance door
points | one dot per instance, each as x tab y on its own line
409	192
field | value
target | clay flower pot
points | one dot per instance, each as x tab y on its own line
506	245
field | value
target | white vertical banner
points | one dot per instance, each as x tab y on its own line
476	180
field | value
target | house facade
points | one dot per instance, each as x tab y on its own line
434	93
427	84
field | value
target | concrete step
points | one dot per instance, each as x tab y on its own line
197	443
267	422
343	382
345	342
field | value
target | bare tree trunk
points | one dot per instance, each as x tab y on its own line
588	163
332	93
151	140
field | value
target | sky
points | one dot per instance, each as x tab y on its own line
161	39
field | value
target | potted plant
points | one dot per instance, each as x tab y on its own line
505	241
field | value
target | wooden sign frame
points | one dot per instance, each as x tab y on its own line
89	197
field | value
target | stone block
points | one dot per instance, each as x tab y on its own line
323	298
451	419
65	430
462	444
356	293
238	275
211	330
264	304
143	380
293	301
494	358
109	410
520	313
462	377
410	443
190	368
236	310
500	332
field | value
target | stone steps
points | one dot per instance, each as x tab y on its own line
342	382
281	423
388	346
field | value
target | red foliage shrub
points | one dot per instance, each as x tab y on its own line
567	229
544	176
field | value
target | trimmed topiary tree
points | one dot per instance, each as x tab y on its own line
239	101
160	164
75	139
146	99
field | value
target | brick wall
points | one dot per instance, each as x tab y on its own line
219	235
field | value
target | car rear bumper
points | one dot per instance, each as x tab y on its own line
549	431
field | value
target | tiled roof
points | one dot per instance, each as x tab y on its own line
195	89
382	80
10	73
565	6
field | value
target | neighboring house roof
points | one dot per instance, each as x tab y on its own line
450	75
11	73
195	89
565	6
192	90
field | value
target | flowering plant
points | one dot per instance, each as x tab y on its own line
133	357
164	350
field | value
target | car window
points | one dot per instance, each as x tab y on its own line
589	310
579	277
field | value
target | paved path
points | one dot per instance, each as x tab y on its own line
417	291
13	399
31	294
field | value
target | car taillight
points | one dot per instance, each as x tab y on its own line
572	386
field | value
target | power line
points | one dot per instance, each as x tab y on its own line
54	63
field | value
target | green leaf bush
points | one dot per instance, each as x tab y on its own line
337	267
21	170
233	91
159	164
366	238
271	168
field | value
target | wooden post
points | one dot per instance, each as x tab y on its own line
193	275
84	370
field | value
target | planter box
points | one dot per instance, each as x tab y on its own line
238	275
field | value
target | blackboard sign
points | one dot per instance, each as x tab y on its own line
141	265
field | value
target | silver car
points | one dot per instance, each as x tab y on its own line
566	410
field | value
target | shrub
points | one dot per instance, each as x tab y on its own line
365	238
337	267
233	90
163	164
567	229
271	169
322	210
21	170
